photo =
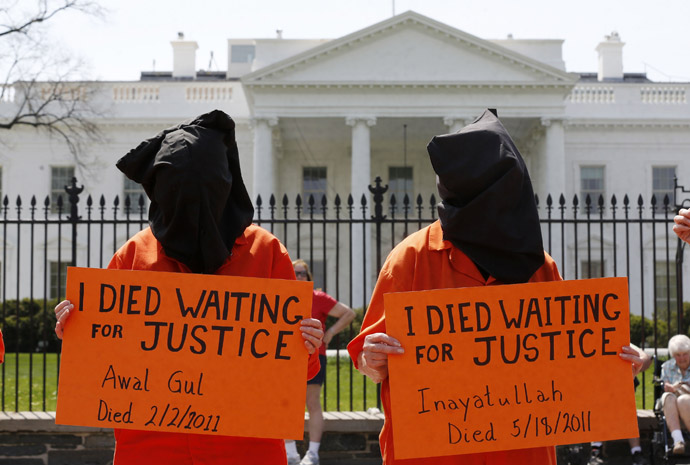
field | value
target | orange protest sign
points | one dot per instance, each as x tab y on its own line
184	353
510	367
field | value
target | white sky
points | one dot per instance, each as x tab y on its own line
134	33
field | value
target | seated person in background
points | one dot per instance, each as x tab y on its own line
597	456
676	397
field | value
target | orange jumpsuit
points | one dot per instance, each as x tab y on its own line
256	253
424	261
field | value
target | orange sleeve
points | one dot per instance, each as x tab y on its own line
2	348
394	277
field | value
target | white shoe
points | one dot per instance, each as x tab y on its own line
310	459
293	460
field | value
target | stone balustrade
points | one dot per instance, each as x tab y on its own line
136	93
674	95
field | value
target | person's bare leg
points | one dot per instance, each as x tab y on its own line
671	413
683	403
315	412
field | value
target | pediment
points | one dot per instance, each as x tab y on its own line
409	49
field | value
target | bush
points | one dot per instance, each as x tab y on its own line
35	329
340	341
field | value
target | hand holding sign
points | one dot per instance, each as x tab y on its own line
373	360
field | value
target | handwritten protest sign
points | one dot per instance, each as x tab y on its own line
510	367
184	353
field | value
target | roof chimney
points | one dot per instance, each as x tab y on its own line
184	57
610	58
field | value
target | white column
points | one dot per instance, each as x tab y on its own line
455	123
264	166
360	176
552	170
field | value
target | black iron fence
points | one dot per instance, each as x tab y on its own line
345	241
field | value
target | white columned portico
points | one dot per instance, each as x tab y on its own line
455	123
264	170
360	175
552	160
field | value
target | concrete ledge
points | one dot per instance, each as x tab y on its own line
41	421
351	422
646	420
344	422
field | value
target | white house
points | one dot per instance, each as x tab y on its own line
327	116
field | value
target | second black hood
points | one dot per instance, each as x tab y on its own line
488	208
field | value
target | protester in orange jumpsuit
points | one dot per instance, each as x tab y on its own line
200	222
488	234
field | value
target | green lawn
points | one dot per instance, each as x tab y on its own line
8	382
357	386
8	385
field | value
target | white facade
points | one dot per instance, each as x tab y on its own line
342	104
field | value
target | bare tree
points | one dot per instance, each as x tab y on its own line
43	86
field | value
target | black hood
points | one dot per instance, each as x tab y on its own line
191	174
488	208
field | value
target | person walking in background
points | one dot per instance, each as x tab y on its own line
323	305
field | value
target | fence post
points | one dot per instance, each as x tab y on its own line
73	195
378	216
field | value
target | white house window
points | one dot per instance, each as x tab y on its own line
314	182
662	185
134	191
591	269
592	184
242	53
58	279
399	184
666	289
60	176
